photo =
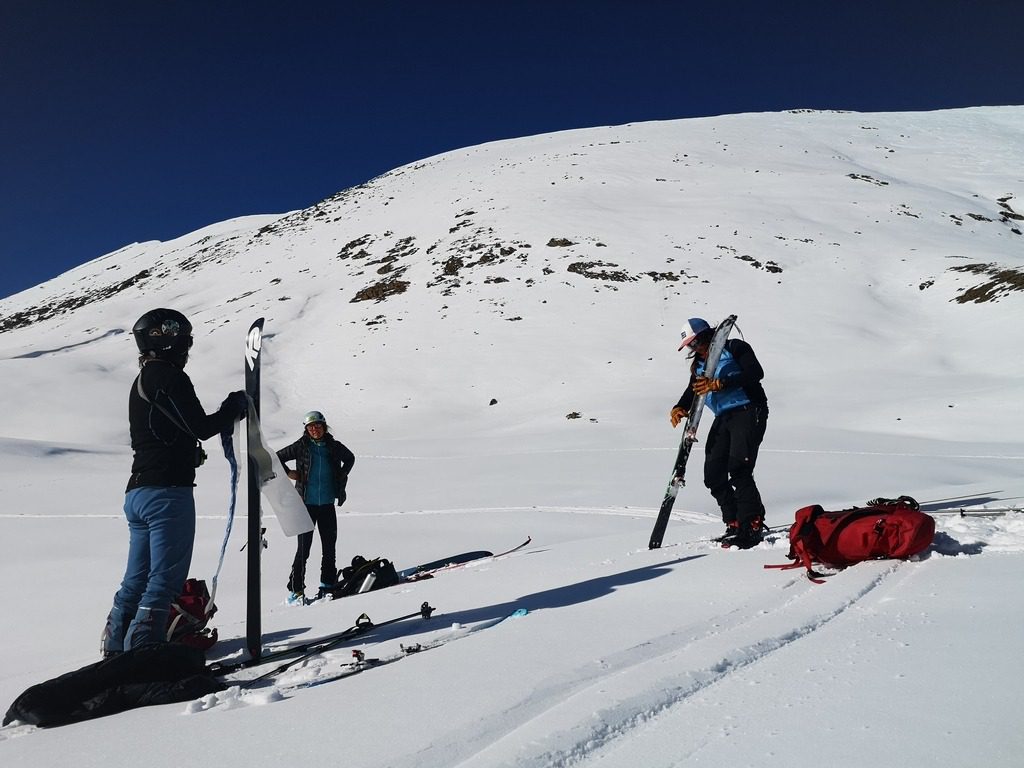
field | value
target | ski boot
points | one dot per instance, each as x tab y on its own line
326	591
750	534
732	530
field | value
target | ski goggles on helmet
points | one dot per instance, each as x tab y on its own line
171	328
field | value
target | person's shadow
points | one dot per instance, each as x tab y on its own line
225	650
557	597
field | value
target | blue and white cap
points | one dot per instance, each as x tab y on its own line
692	329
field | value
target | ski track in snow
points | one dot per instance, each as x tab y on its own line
560	725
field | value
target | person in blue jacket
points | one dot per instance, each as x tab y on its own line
321	472
167	424
735	395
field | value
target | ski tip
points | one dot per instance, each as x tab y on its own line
518	612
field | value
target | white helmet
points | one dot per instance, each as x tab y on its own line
313	417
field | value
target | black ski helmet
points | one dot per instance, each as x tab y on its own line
163	332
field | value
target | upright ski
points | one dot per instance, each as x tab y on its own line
689	435
253	624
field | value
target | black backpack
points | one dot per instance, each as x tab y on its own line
365	575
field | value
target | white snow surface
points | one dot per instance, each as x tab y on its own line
875	262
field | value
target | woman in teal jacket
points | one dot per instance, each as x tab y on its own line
321	472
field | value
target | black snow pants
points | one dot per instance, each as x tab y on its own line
326	521
729	458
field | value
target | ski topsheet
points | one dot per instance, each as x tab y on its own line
689	435
436	565
254	540
279	492
426	570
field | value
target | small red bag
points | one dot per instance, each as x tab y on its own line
190	614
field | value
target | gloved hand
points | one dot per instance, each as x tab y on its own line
703	385
236	404
676	415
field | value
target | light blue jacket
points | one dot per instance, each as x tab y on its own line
730	397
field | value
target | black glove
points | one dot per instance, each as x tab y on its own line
236	405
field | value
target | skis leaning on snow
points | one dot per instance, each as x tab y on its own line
424	571
689	435
428	570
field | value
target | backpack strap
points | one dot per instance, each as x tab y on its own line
907	502
798	551
170	417
186	616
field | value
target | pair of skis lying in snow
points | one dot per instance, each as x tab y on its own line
426	570
360	662
294	655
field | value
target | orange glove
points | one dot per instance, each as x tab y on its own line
703	385
676	415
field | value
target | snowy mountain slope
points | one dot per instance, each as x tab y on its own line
551	274
749	213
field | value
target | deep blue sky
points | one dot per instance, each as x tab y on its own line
125	120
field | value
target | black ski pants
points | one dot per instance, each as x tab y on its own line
325	519
729	458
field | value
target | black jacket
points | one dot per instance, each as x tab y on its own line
342	461
749	376
165	454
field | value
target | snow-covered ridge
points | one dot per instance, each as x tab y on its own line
582	251
764	190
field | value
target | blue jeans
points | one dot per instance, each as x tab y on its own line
162	530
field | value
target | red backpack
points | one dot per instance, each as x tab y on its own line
189	616
885	528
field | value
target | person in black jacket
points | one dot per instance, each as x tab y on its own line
321	472
735	395
167	423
